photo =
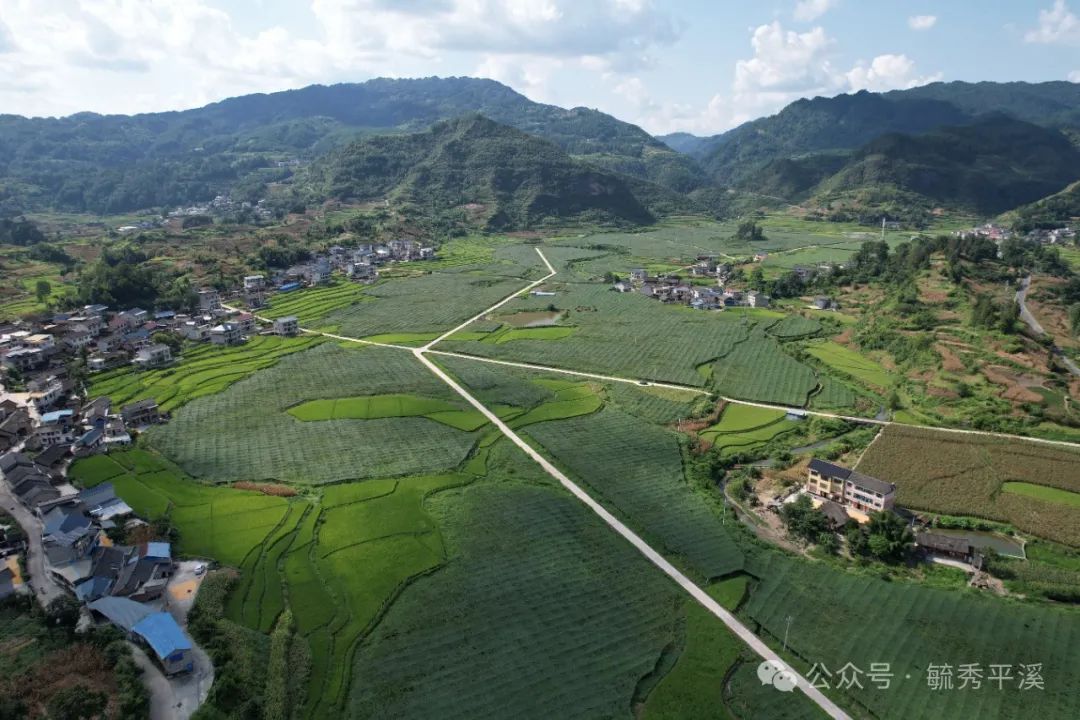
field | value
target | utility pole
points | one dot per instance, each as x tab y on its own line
786	629
882	227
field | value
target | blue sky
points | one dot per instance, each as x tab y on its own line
678	65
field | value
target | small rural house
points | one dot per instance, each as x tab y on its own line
154	629
848	487
287	326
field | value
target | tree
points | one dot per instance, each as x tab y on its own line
168	339
803	521
888	537
78	702
63	612
1010	316
42	290
749	231
1074	318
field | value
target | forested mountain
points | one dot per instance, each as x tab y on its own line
847	122
497	175
1049	212
105	164
989	166
1054	104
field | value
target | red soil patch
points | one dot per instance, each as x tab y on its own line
266	488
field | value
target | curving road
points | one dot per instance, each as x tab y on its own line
1037	328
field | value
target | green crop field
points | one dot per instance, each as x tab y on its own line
217	522
839	618
743	428
312	305
201	370
247	433
671	341
1042	492
422	304
759	369
372	407
636	468
795	326
964	475
540	613
851	363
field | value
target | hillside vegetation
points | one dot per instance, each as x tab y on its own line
509	178
115	163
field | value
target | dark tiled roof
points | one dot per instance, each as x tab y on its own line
943	543
834	512
871	483
827	469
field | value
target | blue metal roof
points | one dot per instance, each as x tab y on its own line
158	550
162	634
289	286
55	416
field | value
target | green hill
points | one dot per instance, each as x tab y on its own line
987	167
1049	212
114	163
847	122
495	175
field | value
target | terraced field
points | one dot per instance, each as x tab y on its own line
743	428
312	305
848	362
214	522
201	370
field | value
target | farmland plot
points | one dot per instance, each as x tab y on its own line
201	370
964	475
621	334
427	303
246	433
216	522
743	428
760	370
840	618
636	468
541	613
848	362
312	305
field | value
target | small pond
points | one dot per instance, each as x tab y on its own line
1003	544
540	318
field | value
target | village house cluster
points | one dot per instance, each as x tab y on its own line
81	557
670	288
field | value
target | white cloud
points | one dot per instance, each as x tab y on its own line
922	22
785	66
1057	26
810	10
137	55
1074	76
887	72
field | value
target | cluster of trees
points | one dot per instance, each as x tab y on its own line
749	231
988	314
126	277
19	231
886	537
101	646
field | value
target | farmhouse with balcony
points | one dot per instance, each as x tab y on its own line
153	356
848	487
141	412
287	326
